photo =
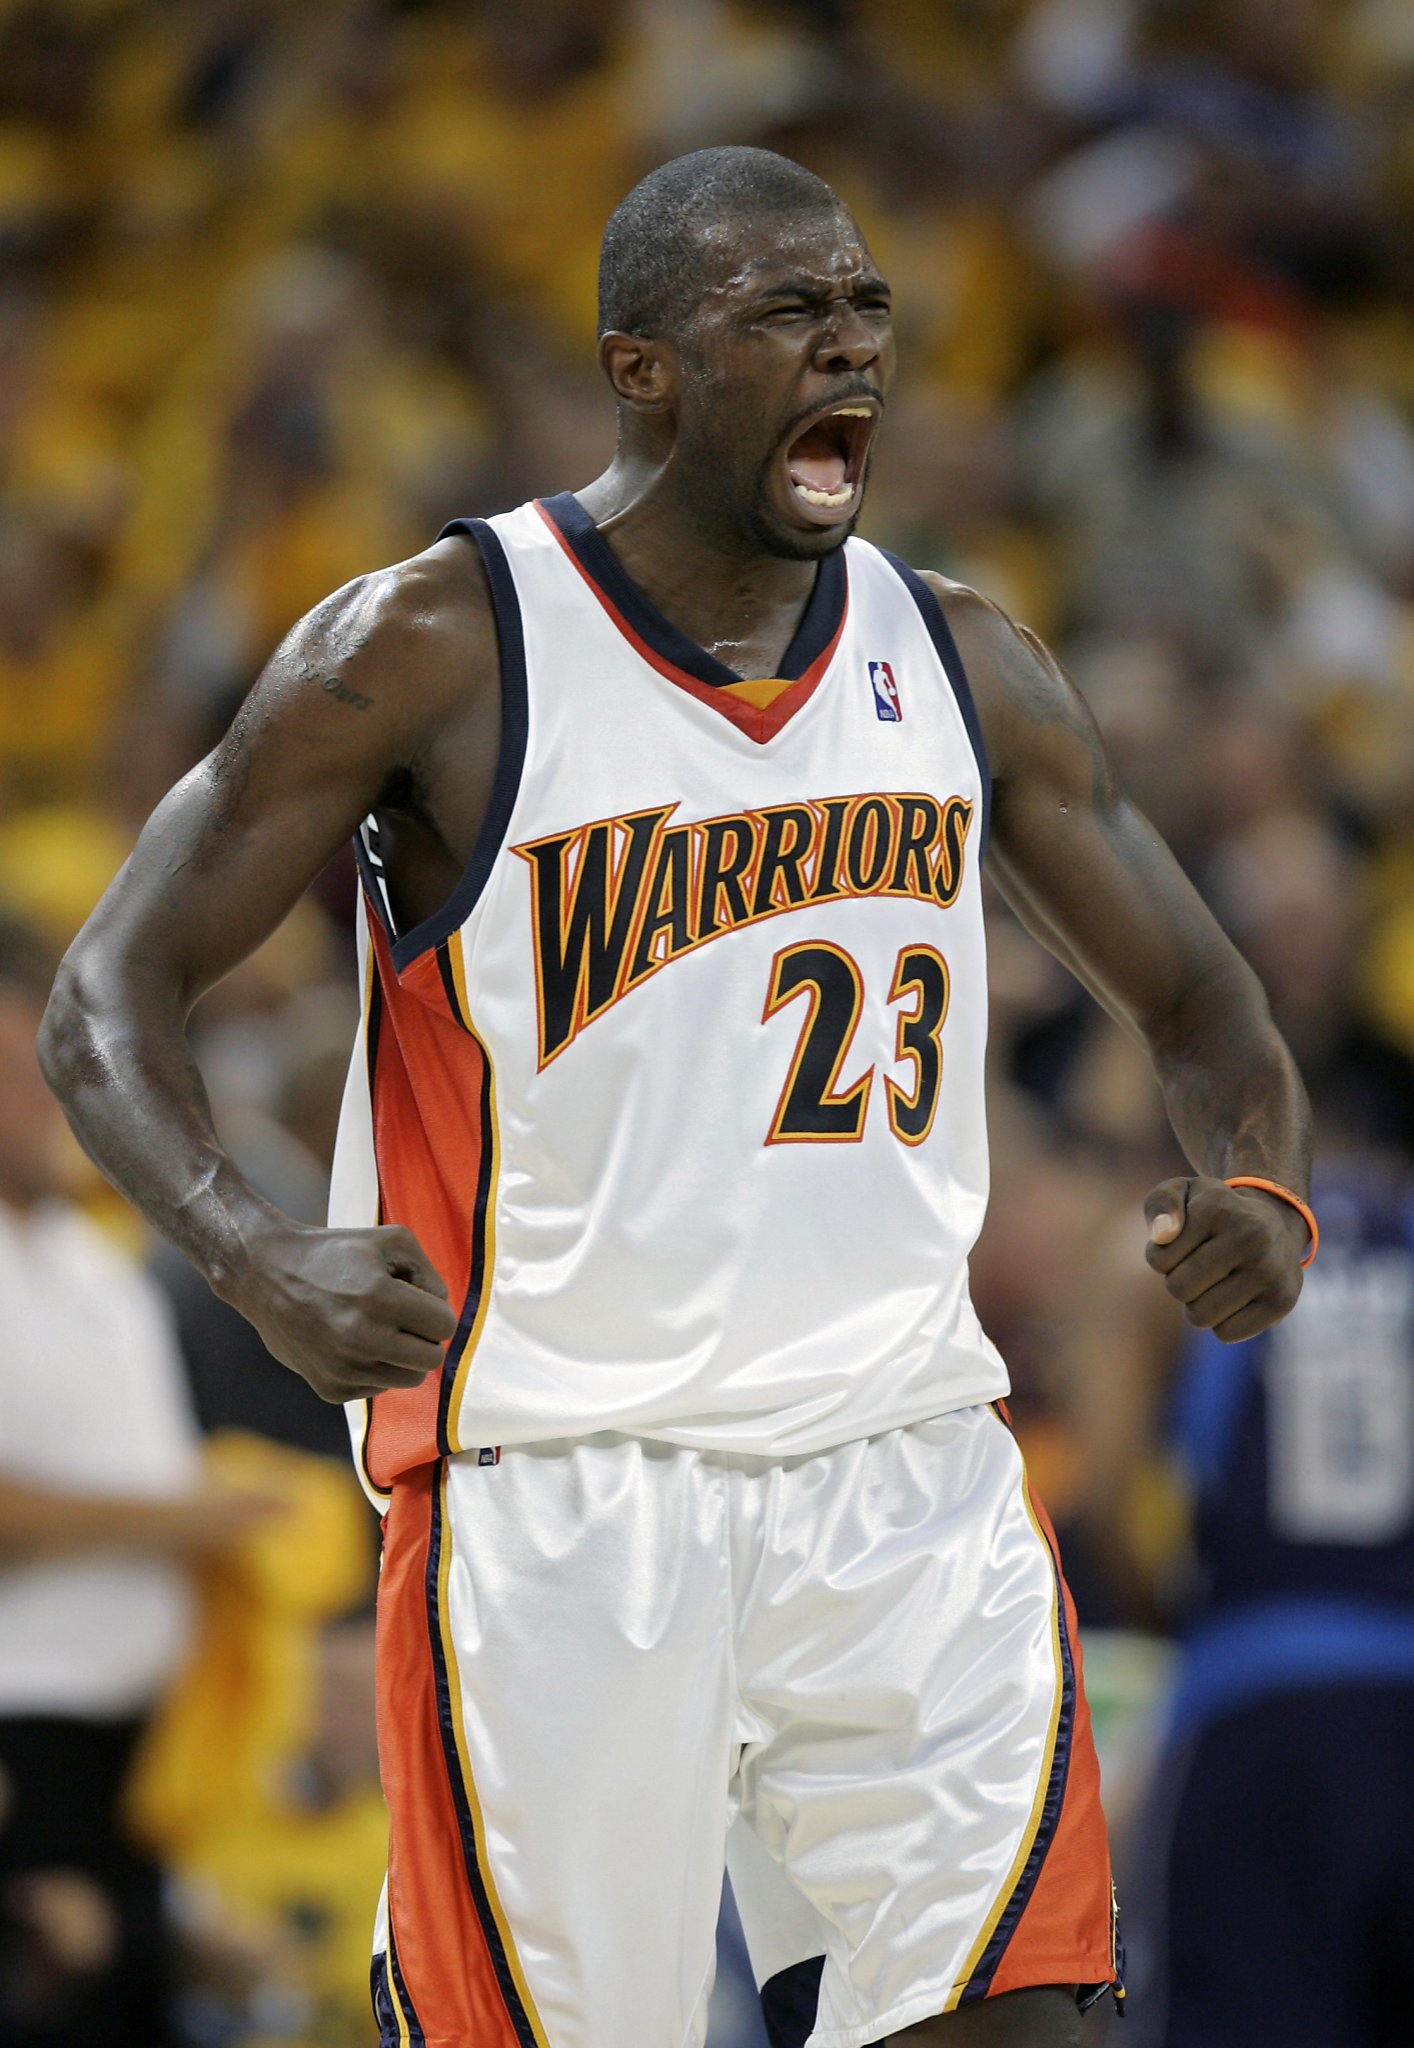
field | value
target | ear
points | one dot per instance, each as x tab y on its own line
643	373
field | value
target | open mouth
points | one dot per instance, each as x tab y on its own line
825	462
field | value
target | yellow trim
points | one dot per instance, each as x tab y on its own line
761	691
999	1904
404	2024
478	1825
488	1256
458	967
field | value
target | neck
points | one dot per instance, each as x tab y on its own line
721	589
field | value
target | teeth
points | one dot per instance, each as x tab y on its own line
851	412
831	500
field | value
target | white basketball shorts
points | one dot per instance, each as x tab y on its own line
597	1658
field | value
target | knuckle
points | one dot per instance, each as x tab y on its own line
361	1347
348	1328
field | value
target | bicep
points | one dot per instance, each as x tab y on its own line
221	862
228	852
1079	863
1105	895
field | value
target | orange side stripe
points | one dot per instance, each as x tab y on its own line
446	1966
1066	1932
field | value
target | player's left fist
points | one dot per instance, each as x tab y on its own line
1232	1256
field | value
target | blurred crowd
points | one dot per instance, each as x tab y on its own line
285	284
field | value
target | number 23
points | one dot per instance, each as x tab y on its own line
813	1108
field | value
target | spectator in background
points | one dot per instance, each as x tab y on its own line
1273	1897
102	1512
1271	1894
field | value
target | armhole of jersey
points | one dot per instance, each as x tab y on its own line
510	761
940	633
359	1414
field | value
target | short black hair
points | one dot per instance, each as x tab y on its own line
650	258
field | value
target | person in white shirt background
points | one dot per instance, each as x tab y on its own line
103	1511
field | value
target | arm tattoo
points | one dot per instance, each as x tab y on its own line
334	686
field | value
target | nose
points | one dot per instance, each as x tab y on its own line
848	341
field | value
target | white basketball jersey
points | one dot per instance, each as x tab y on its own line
682	1091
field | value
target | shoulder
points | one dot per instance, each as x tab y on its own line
412	609
981	630
1016	681
406	646
986	636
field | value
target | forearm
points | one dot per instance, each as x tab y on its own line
117	1056
1231	1089
353	1311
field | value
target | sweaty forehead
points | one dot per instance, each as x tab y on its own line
741	258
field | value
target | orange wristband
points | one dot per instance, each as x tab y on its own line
1274	1187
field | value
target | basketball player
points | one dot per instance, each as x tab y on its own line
1274	1895
662	1154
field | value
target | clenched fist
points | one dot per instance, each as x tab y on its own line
1232	1256
352	1311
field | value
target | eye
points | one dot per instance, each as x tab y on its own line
776	316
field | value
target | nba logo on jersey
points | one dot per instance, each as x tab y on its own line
886	701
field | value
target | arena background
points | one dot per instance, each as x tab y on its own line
285	284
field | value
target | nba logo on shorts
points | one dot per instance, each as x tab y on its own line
885	693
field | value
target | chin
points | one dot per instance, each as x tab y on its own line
799	543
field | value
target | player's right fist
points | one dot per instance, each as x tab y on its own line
352	1311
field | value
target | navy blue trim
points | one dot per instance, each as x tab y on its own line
372	879
373	1031
371	1036
384	2016
416	2037
979	1983
940	633
520	2020
476	1277
449	984
818	626
1088	1995
790	2003
510	760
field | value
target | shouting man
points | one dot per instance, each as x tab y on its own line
663	1152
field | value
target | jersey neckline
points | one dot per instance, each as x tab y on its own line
679	658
